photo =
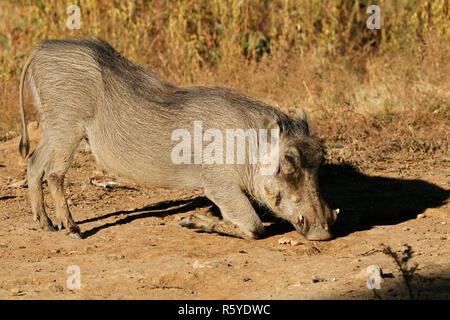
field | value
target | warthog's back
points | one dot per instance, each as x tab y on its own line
129	113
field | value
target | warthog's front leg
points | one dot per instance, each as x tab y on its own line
210	223
239	217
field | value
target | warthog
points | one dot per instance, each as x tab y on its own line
86	89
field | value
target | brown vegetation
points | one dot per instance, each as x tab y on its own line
380	92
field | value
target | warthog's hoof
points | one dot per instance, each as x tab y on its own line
209	223
188	223
74	232
75	235
185	223
48	227
201	223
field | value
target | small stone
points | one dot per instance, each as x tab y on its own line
444	222
284	241
316	279
56	287
200	265
17	292
115	256
288	241
420	215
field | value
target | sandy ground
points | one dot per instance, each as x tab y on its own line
134	248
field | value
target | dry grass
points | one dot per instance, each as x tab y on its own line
372	94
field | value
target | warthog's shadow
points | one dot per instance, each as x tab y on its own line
364	201
160	209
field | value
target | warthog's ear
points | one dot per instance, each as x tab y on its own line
302	116
290	161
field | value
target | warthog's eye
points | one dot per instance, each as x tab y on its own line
301	220
278	199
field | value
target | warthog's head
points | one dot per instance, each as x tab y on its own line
292	191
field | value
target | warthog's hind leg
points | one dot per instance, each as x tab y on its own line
36	164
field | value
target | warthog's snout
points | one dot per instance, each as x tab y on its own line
316	226
319	235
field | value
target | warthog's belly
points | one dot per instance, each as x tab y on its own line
148	164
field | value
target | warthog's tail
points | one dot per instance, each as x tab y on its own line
24	145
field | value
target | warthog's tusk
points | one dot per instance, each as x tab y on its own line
301	220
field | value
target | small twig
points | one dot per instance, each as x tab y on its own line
376	294
402	263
